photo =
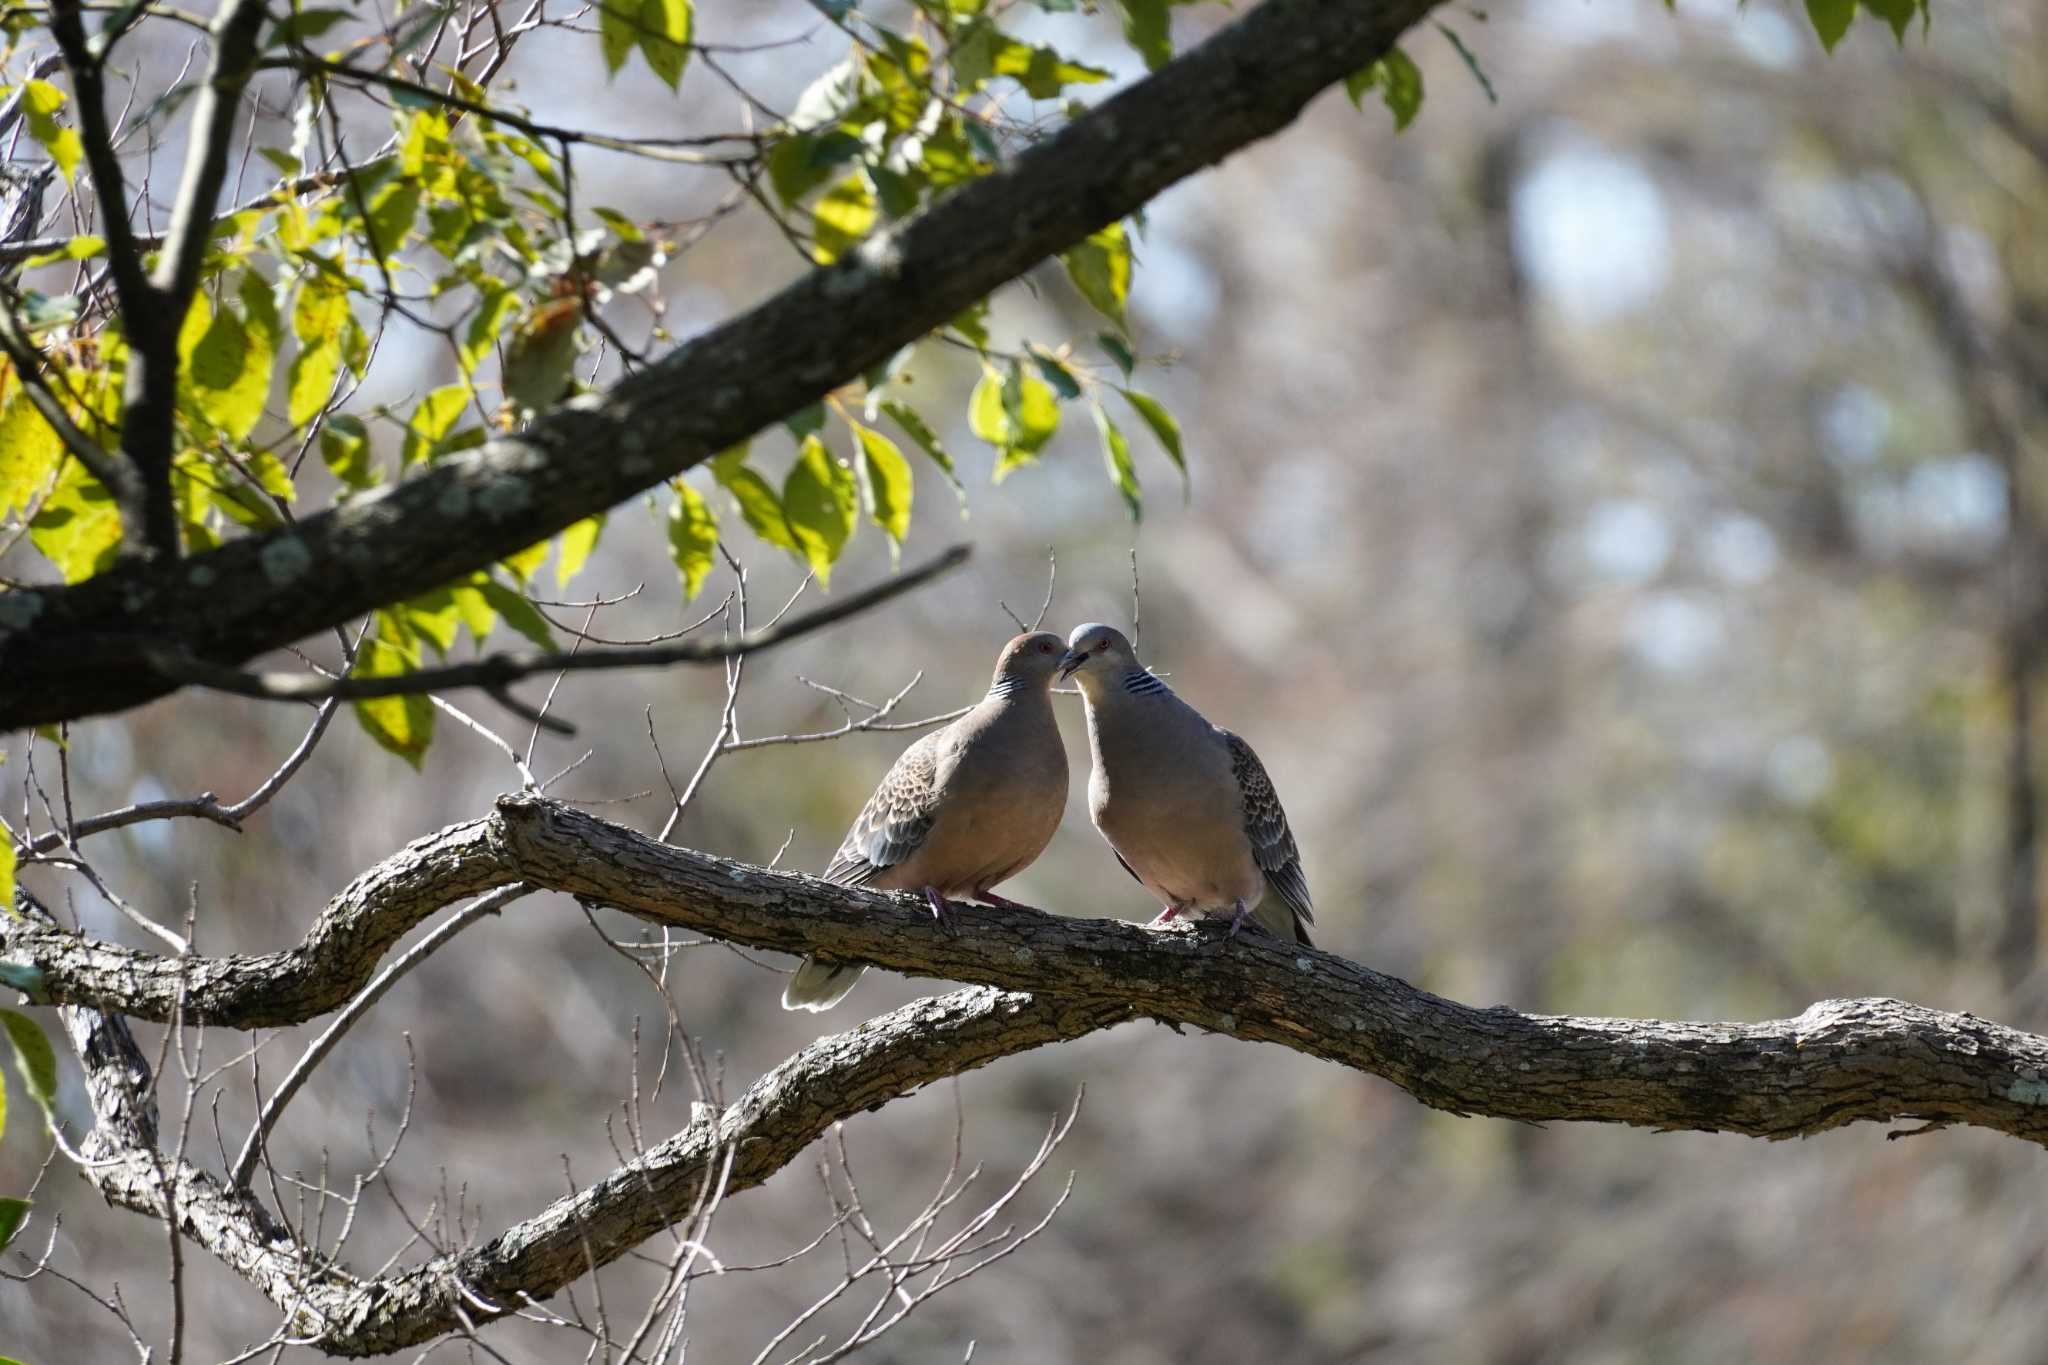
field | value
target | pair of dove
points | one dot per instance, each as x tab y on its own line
1185	805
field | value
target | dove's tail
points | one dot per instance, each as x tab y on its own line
819	984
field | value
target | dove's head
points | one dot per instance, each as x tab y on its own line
1098	653
1030	660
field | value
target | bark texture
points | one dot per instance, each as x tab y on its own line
1839	1062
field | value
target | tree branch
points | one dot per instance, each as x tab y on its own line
494	672
74	651
1840	1062
779	1116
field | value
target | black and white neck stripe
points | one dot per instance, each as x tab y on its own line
1139	683
1006	686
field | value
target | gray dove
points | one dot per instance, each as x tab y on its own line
963	809
1185	804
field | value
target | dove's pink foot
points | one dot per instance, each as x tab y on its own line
942	909
1239	920
1167	915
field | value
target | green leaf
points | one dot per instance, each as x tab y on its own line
485	324
77	528
1117	351
12	1211
77	249
1101	269
404	725
985	415
1032	409
1161	421
842	216
540	362
517	612
231	362
6	869
886	483
30	450
1056	374
577	543
40	101
1898	13
1830	19
1399	82
305	25
431	420
1041	71
34	1059
311	380
320	309
436	617
525	562
1145	29
800	163
1116	459
618	32
477	613
758	505
345	447
821	502
392	211
692	537
920	431
664	38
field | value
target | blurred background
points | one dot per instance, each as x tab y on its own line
1617	518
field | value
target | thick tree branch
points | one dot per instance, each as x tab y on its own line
780	1115
1840	1062
74	651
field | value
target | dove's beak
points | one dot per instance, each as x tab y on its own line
1070	661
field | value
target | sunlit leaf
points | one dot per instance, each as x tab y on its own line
311	380
435	618
842	216
821	502
403	724
759	507
692	537
618	31
229	367
1100	268
40	102
577	543
77	528
524	564
29	451
1032	409
485	324
431	421
1116	459
886	482
345	448
77	249
664	38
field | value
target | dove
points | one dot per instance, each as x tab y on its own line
1185	804
963	809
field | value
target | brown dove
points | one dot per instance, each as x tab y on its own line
963	809
1185	804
